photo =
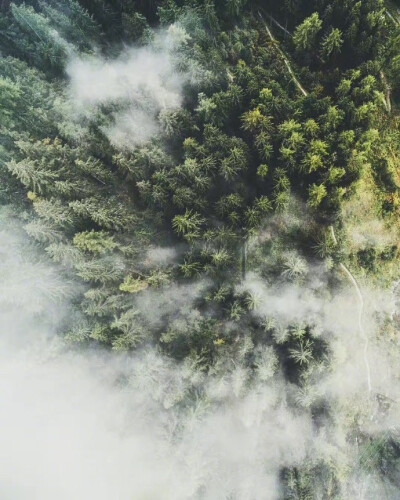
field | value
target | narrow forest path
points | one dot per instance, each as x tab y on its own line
343	267
396	21
387	100
360	299
284	57
392	17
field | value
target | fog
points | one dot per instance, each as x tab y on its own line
136	86
82	422
69	429
89	424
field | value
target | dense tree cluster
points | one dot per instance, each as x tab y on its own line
290	118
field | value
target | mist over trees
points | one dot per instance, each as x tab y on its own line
217	182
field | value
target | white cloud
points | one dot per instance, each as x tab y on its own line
70	430
139	83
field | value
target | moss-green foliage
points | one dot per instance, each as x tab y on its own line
94	241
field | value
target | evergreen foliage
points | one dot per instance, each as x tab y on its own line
223	169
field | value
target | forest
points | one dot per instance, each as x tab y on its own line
202	197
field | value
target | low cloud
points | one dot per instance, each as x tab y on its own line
135	86
93	424
70	429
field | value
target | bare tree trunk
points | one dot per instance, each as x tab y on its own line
387	92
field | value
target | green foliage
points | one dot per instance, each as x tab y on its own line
245	177
72	22
133	285
94	241
305	35
332	43
316	194
33	36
